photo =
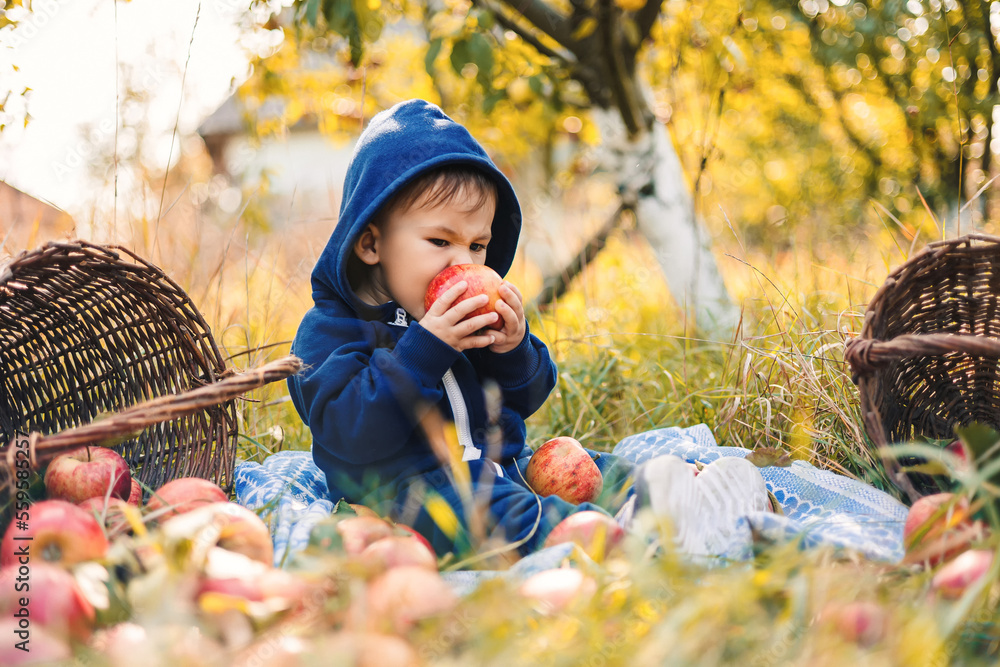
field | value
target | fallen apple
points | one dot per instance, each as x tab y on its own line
596	533
562	467
40	646
481	279
557	588
112	513
88	472
54	531
954	577
397	599
358	532
183	495
861	622
938	527
396	551
53	600
226	525
135	495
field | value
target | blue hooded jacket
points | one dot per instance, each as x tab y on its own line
370	372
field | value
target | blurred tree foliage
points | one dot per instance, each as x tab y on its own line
814	115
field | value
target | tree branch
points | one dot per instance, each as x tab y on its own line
557	285
566	57
620	76
546	19
645	18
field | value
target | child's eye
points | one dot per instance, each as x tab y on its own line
439	242
477	247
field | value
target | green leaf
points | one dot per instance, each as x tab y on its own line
929	468
769	456
432	53
585	29
981	439
312	11
460	55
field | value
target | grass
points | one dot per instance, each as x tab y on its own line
628	363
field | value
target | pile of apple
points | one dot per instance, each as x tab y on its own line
190	576
940	531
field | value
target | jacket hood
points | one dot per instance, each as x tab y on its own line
398	145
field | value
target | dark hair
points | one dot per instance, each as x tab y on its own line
440	186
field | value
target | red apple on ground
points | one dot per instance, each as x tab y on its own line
397	599
562	467
183	495
938	527
597	533
954	577
135	495
481	280
360	531
396	551
861	622
231	527
88	472
111	513
60	533
557	588
54	600
43	647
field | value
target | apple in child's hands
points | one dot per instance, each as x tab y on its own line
88	472
183	495
562	467
481	280
54	531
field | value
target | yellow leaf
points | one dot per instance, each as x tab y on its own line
443	515
585	29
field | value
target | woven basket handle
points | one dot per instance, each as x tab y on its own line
866	355
157	410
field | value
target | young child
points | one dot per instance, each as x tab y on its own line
421	195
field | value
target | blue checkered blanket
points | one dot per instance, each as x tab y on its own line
820	507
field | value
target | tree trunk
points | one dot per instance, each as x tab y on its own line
652	183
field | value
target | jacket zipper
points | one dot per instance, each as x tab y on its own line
461	413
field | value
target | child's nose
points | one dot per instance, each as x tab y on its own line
462	257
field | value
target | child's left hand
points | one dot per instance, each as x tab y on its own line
511	310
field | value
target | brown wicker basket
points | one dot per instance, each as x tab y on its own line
98	344
927	356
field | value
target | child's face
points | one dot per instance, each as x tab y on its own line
414	244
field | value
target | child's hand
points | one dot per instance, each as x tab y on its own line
511	308
446	319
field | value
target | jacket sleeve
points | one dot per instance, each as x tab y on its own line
526	374
362	401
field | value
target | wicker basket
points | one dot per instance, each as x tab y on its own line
927	357
97	345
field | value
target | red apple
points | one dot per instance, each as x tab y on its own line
595	532
481	280
557	588
88	472
360	531
111	513
863	623
183	495
232	526
954	577
42	646
396	600
48	596
562	467
396	551
53	531
135	495
938	527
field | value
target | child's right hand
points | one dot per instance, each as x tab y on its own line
446	319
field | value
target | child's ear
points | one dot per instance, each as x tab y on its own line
366	245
